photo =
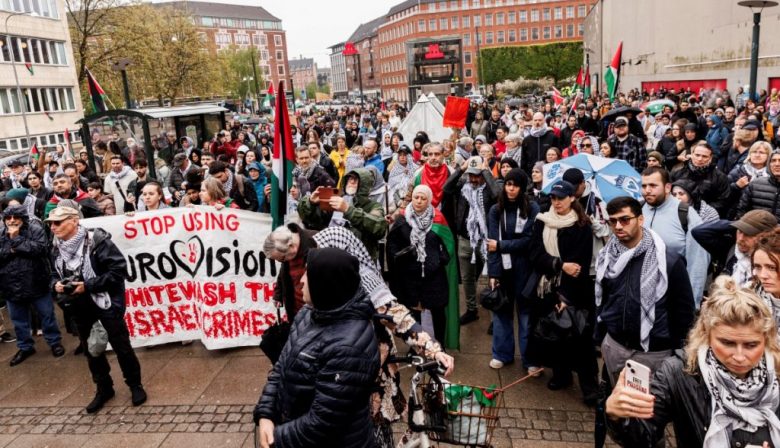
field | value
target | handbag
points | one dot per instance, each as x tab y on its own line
493	299
275	337
558	327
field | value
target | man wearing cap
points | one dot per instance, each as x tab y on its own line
18	178
627	146
472	196
181	166
763	193
731	243
88	272
24	276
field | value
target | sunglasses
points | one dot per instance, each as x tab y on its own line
623	220
587	145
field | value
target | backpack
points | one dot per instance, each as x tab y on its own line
682	213
239	183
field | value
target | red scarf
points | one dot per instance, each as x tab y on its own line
435	178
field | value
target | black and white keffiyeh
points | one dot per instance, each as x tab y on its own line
773	303
476	224
299	171
614	258
229	184
740	403
421	224
75	257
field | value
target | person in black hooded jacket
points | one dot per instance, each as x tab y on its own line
318	392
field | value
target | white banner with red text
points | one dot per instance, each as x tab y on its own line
195	273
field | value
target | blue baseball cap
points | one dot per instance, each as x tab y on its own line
562	189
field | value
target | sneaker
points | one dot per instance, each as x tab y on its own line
101	397
138	395
7	337
496	364
21	355
536	372
469	317
39	332
57	350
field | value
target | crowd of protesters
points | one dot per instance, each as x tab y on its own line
636	277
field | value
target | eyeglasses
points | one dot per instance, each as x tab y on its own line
587	145
623	220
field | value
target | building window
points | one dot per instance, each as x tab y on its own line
488	19
500	37
558	13
280	69
466	21
489	37
207	21
223	38
499	18
46	99
478	20
534	15
570	12
442	6
443	24
523	34
512	36
36	51
421	26
453	4
523	16
279	55
475	3
432	25
570	30
242	39
264	40
534	33
467	57
580	29
455	23
277	40
468	73
511	18
467	39
546	14
546	32
582	11
44	8
558	31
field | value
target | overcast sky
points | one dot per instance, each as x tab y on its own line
312	25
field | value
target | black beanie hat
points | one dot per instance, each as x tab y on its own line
517	176
334	277
574	176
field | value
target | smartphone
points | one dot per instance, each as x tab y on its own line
638	376
325	194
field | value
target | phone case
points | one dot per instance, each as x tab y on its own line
638	377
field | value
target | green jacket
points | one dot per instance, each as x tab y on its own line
366	217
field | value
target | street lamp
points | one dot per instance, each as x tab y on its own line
757	6
22	103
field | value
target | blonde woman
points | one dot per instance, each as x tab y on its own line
212	192
722	392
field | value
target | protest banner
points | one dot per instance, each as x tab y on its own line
195	273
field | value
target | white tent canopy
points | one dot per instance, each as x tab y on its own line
436	103
424	117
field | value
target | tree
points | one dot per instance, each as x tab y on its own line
236	67
555	61
311	90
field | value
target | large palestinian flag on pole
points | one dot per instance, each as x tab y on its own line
586	90
96	93
284	156
612	75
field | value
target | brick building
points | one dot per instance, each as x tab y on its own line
366	41
303	72
478	23
243	27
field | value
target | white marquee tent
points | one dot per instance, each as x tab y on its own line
424	117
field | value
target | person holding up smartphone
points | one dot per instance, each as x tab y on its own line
722	391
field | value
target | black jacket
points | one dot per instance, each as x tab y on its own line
318	391
320	178
513	244
452	191
588	124
24	264
246	197
712	186
684	401
110	269
718	238
407	282
535	149
620	313
668	147
327	164
761	194
284	292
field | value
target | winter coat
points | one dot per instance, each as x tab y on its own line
478	128
366	217
668	147
511	243
24	266
177	178
318	391
535	149
408	283
320	178
87	206
453	192
760	194
110	269
712	186
259	187
716	135
245	198
684	401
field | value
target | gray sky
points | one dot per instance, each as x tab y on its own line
312	26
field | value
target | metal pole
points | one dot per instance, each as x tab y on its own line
126	86
754	55
22	103
254	71
360	79
479	61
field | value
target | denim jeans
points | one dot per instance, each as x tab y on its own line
504	334
469	273
20	316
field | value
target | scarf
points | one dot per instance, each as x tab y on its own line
538	132
515	154
552	222
773	303
463	153
420	224
476	224
698	169
354	161
743	269
299	171
754	172
653	283
435	178
118	176
747	404
74	255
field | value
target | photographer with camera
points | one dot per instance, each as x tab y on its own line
23	274
88	276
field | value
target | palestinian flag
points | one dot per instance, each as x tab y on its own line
67	143
29	68
268	101
97	94
557	96
612	75
283	160
34	155
586	90
435	180
579	83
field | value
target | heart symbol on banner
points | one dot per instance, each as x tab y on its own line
188	254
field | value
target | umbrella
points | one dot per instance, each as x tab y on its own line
621	112
657	105
608	178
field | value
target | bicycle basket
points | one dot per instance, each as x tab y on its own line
469	413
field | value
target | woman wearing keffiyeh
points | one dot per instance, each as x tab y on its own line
724	390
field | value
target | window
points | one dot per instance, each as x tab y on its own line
467	57
500	37
558	13
420	26
279	55
582	11
499	18
534	33
466	21
432	25
455	23
570	30
546	14
488	19
512	36
280	69
241	39
511	18
45	99
467	39
523	34
277	40
44	8
558	31
207	21
489	37
443	24
523	16
264	55
570	12
534	15
443	6
478	20
580	29
453	4
468	73
264	40
475	3
546	32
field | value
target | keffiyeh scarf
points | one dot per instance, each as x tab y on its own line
420	224
740	404
773	303
476	224
614	258
117	176
743	269
538	132
305	172
74	256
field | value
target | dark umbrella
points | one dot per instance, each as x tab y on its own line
620	112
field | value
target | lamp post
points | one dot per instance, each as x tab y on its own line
121	67
756	6
22	103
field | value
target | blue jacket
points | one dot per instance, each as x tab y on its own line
716	135
376	161
259	184
512	243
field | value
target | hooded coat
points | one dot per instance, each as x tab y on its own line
24	266
716	135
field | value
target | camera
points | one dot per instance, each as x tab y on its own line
68	288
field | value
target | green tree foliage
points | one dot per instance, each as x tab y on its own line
311	90
555	61
237	73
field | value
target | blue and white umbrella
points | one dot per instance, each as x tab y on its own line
607	178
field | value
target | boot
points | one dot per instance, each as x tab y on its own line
102	395
138	395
